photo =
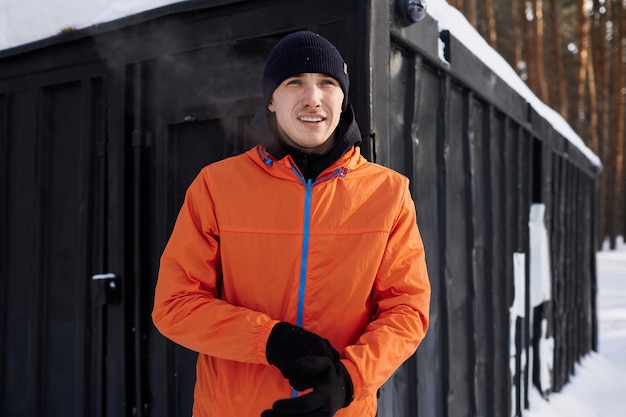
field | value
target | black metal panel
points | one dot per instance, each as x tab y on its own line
569	277
4	162
95	106
501	261
21	309
525	170
415	144
511	242
402	90
478	128
64	284
460	343
377	81
582	268
573	274
396	396
427	185
557	244
117	381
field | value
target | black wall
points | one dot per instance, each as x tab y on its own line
101	131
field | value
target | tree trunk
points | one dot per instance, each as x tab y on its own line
457	4
592	97
622	206
558	98
620	199
583	56
542	85
528	49
602	67
516	23
491	24
613	196
593	142
471	12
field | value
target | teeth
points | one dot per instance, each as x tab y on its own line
311	119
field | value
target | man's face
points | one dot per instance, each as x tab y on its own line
308	108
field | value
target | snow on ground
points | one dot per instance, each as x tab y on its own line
598	388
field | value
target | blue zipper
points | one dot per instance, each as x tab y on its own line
305	250
308	186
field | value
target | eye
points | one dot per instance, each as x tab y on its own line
329	81
293	81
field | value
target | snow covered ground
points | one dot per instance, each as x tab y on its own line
598	388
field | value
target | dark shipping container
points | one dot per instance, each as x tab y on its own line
102	129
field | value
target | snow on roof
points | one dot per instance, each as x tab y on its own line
27	21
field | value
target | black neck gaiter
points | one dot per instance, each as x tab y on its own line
310	164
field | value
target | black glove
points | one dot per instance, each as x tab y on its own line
288	343
332	390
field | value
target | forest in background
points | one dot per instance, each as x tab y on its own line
572	55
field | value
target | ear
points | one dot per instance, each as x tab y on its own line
271	107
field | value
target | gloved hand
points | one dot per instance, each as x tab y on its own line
288	343
332	390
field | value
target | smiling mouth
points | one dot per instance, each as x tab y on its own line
309	119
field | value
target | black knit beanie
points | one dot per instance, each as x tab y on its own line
303	52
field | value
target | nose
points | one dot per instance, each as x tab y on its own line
312	96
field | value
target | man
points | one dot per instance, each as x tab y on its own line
296	270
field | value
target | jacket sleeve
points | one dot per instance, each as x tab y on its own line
401	302
187	309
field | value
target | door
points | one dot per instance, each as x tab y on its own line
189	109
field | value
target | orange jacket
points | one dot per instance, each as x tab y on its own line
254	244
